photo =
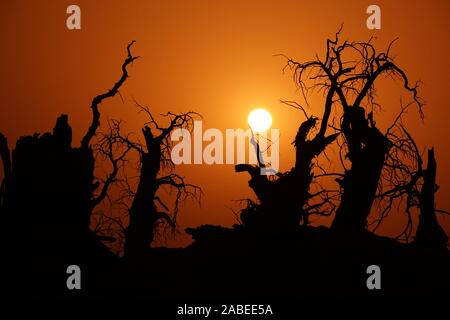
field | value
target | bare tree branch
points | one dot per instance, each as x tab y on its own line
110	93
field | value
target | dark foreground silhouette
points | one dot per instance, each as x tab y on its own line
49	193
44	233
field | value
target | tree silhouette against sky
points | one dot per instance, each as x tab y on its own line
383	167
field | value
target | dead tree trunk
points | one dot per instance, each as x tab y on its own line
143	214
429	233
306	150
282	201
367	148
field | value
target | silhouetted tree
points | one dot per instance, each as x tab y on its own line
49	186
156	171
384	167
348	73
143	205
429	233
283	199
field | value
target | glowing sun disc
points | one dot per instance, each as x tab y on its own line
259	120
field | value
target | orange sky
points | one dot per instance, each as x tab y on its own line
214	57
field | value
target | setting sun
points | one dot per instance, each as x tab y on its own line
259	120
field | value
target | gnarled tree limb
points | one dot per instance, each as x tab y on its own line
85	142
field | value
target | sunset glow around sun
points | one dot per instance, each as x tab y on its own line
259	120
